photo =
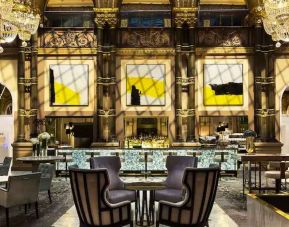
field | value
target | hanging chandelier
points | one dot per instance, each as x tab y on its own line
276	19
17	17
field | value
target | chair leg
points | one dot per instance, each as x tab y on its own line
131	224
157	224
36	210
49	195
278	185
25	208
7	216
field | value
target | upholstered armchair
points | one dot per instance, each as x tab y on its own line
116	192
176	166
89	189
47	171
21	190
201	187
5	166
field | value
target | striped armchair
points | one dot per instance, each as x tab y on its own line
89	189
201	187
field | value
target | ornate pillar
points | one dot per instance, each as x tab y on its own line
191	72
21	95
185	17
106	21
33	86
264	83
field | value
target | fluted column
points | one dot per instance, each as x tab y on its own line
178	84
106	21
21	95
185	17
33	86
264	85
191	72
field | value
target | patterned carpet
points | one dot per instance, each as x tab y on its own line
229	198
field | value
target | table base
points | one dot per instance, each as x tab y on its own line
145	208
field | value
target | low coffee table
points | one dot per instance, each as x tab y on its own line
36	160
145	188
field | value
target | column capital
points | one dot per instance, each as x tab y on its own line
106	16
255	16
185	15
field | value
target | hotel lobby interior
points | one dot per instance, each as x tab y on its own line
144	113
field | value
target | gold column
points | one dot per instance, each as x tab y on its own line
33	86
264	82
21	95
106	21
186	83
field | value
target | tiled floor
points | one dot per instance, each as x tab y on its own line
218	218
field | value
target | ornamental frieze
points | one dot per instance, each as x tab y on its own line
146	38
265	112
68	39
223	37
106	113
185	113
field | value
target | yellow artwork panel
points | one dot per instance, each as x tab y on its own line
211	99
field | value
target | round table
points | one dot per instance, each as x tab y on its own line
145	188
36	160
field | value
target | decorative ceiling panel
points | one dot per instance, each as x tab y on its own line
70	3
89	3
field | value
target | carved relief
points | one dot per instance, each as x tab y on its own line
223	37
69	38
146	38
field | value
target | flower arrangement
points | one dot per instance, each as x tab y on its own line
249	133
34	141
44	136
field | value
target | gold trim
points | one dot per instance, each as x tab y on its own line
146	51
268	205
224	50
106	10
67	51
155	2
222	2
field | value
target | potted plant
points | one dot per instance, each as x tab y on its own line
35	144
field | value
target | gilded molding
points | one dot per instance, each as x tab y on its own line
185	81
265	112
106	113
224	50
106	15
106	81
146	51
185	15
255	16
27	113
27	82
185	113
264	80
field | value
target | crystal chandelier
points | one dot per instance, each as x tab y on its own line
17	17
276	19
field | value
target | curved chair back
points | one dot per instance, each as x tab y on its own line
201	187
47	171
113	165
89	188
23	189
176	166
4	168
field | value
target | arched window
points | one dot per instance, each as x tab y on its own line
5	101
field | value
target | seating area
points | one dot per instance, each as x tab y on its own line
144	113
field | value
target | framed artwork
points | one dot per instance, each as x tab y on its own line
68	84
145	85
223	85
